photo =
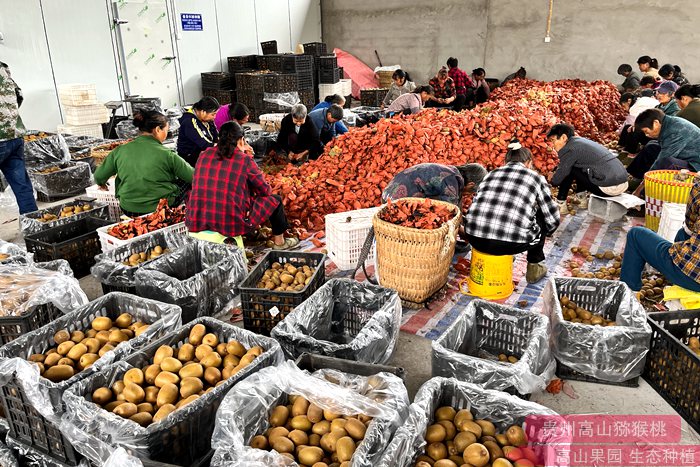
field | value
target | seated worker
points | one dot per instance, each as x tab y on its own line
325	121
513	212
412	102
673	73
591	165
230	195
401	84
197	129
648	82
688	97
631	82
298	137
435	181
649	66
664	94
444	92
335	99
630	140
520	74
482	90
679	262
146	170
237	112
462	81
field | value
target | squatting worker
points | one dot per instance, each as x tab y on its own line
513	211
435	181
145	170
688	97
412	102
335	99
197	129
592	166
679	262
12	142
237	112
230	195
400	84
325	121
298	137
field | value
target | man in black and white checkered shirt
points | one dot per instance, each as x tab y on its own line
513	212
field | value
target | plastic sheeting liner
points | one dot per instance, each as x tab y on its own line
362	76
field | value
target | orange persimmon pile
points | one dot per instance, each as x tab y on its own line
357	166
163	216
416	214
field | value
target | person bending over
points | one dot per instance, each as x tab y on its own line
688	98
435	181
631	82
298	137
665	95
145	170
237	112
591	165
679	262
412	102
325	121
197	129
513	211
401	84
230	195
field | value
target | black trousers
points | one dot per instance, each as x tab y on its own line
583	183
644	160
278	219
535	253
630	141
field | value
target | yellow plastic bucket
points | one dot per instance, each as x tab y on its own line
490	277
661	187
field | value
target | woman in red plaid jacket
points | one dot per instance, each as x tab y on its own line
230	195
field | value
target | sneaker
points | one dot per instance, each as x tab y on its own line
288	244
563	208
535	272
582	200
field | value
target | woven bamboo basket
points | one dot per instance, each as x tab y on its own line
415	262
661	186
385	78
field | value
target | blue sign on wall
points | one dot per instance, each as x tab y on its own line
191	21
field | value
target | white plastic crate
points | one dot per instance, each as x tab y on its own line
86	114
325	90
107	197
81	130
344	239
109	242
346	87
672	219
77	94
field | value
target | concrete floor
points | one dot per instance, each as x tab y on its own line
413	353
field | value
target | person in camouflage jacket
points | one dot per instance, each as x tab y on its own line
11	142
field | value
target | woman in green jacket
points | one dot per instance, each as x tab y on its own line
688	98
146	170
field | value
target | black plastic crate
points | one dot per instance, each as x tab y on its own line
329	76
177	440
242	62
11	327
564	372
222	96
672	368
251	99
312	362
305	80
269	47
315	48
30	223
71	179
291	63
76	242
256	303
283	82
307	98
373	97
217	80
327	62
263	62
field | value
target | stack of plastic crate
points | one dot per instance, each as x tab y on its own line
83	114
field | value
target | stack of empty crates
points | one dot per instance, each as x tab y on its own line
83	115
219	85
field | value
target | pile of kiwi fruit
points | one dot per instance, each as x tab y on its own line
507	358
456	439
611	272
4	256
653	288
143	256
48	170
311	436
78	350
575	314
66	211
286	278
176	377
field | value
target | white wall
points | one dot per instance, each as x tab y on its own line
53	42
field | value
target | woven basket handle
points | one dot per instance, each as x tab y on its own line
364	253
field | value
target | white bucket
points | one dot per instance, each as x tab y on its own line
672	218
